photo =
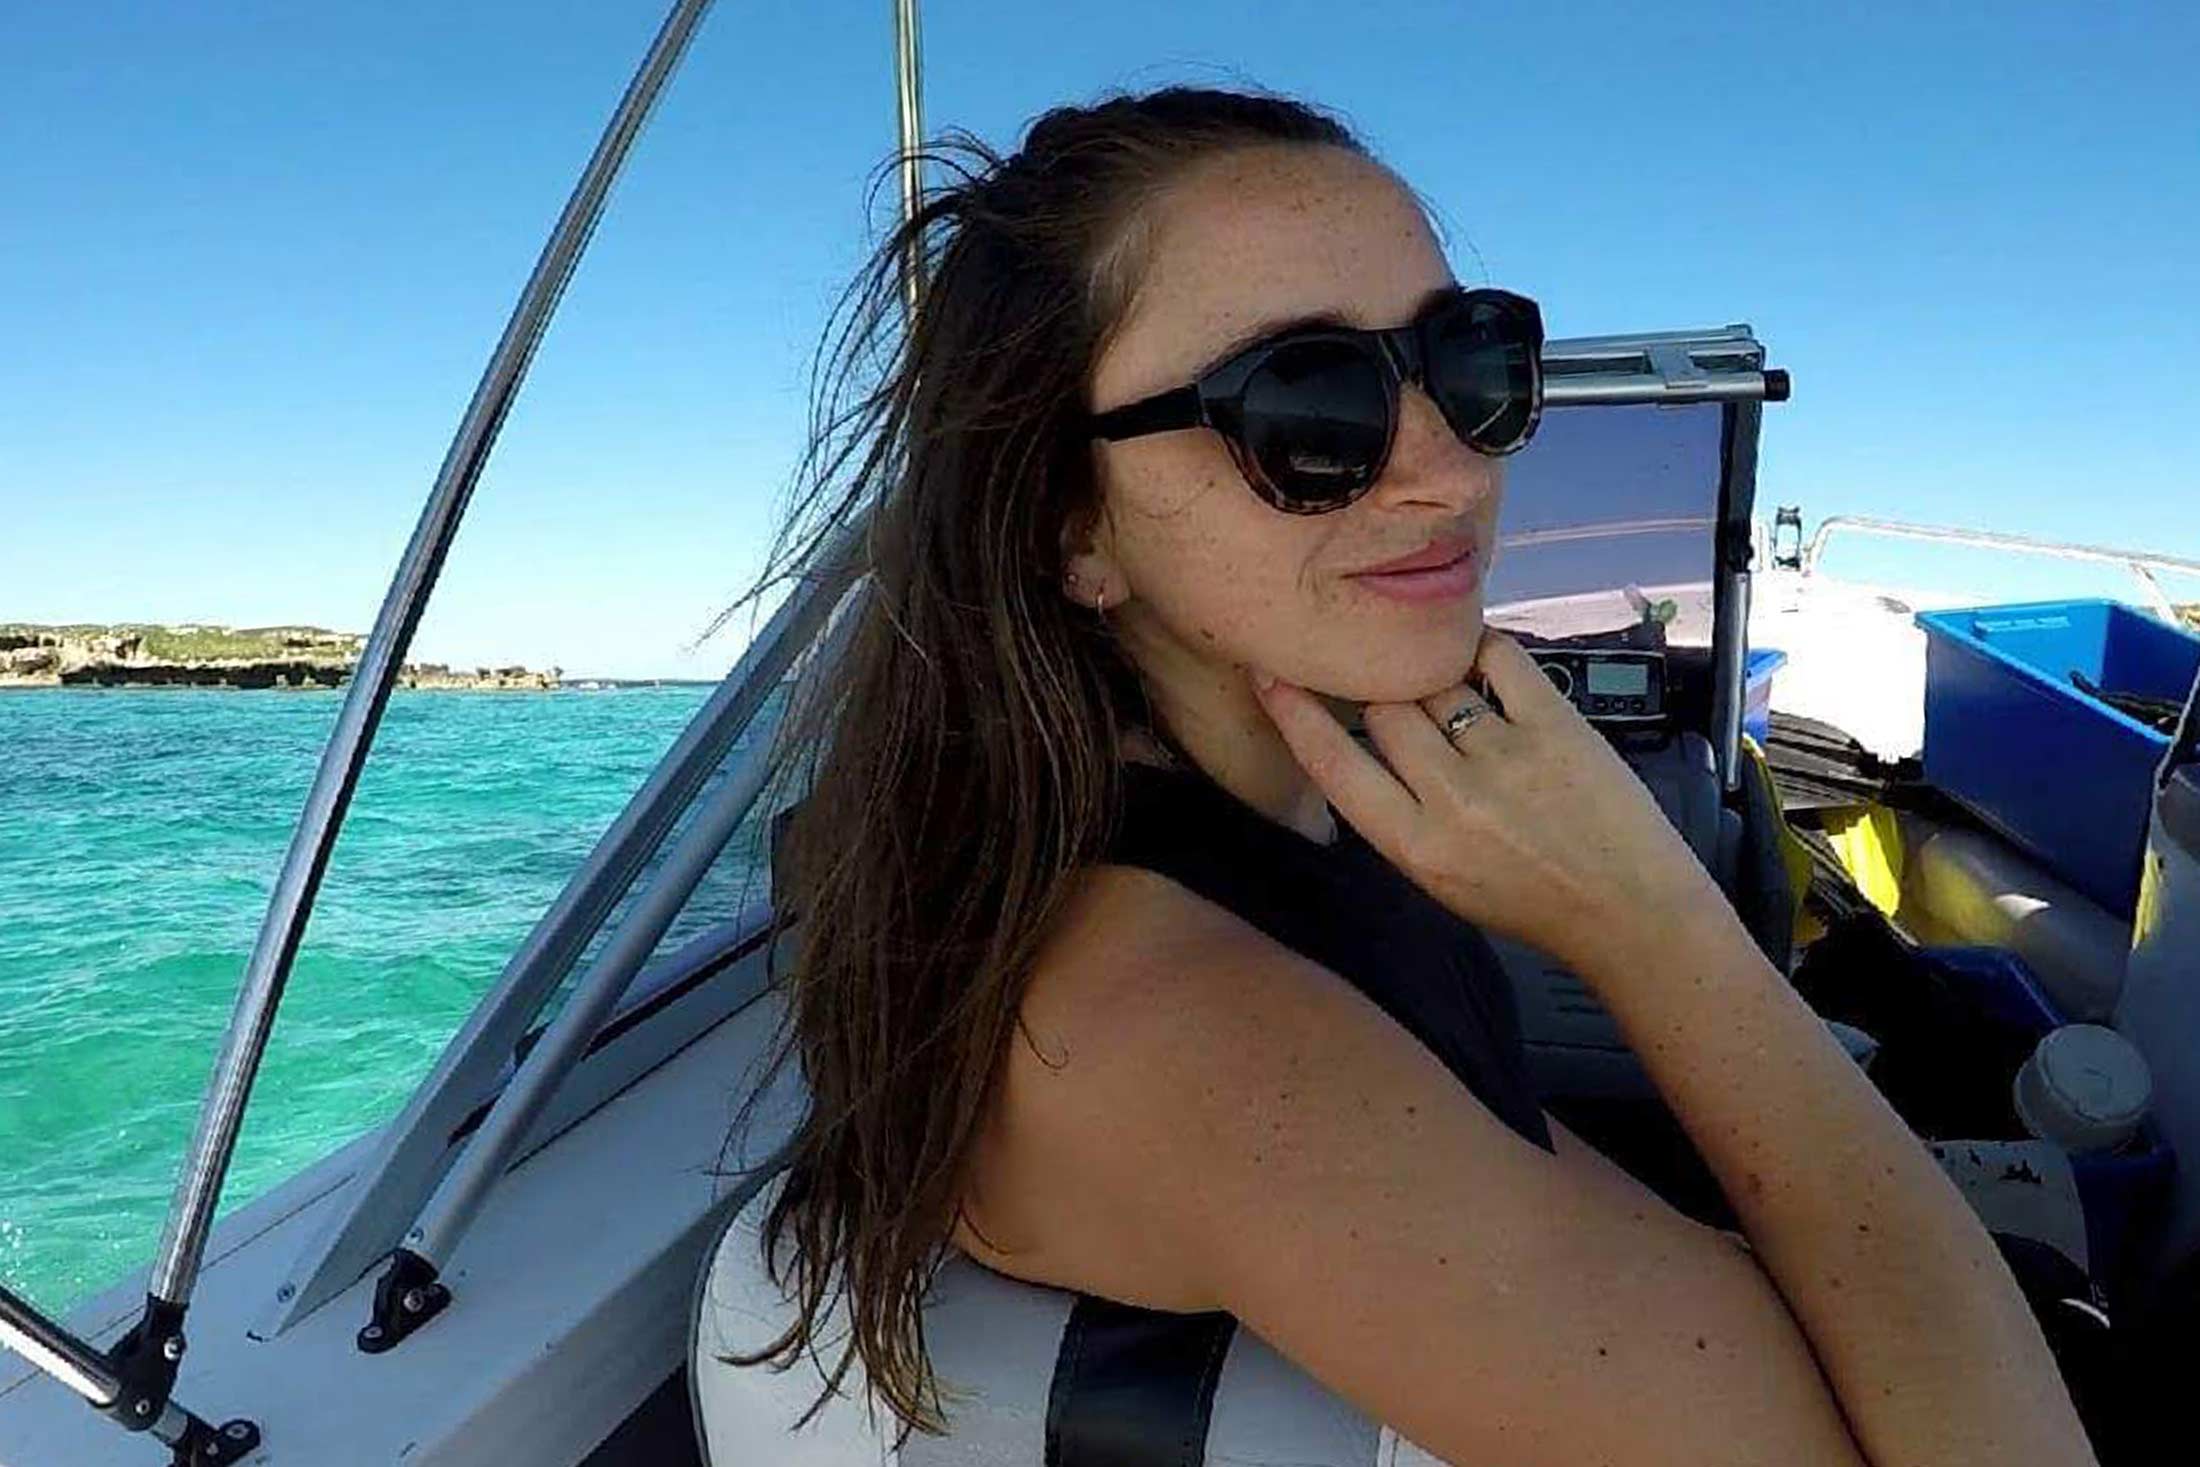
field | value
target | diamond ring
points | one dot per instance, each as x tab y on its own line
1464	716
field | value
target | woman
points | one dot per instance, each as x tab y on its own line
1193	443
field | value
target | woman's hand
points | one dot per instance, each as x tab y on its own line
1524	821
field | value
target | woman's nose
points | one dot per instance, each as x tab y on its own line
1428	464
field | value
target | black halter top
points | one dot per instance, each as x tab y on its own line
1346	907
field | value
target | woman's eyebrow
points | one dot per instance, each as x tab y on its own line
1253	336
1284	326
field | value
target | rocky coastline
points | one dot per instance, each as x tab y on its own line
138	655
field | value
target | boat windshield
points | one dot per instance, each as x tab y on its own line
1609	509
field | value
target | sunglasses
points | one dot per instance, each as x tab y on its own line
1310	415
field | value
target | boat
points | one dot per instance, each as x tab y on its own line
540	1257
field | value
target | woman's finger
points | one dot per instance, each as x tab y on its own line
1520	686
1413	745
1352	779
1458	711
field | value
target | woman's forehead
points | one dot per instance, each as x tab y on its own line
1260	237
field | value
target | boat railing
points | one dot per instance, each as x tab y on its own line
137	1384
379	1209
2142	564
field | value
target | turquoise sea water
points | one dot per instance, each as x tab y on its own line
140	832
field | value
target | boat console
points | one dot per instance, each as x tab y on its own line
1612	687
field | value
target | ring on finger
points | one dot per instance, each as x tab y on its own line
1464	716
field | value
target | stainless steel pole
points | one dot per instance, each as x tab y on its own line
909	113
1991	540
390	1190
459	1199
455	1205
1731	634
57	1352
183	1239
1623	388
1730	630
460	1196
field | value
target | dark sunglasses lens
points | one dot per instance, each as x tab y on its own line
1317	422
1483	373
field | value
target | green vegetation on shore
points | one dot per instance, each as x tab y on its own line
141	654
191	642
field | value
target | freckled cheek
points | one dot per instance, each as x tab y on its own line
1253	562
1209	548
1246	603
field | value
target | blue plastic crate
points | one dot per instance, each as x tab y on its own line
2059	773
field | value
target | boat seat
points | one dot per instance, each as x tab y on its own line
1028	1375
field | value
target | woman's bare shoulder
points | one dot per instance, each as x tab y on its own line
1123	929
1136	973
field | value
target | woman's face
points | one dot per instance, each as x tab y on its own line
1201	575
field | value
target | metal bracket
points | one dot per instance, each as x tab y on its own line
205	1446
133	1383
1684	379
1787	517
405	1298
145	1361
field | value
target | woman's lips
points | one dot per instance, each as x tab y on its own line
1444	582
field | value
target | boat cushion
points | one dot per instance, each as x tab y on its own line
1028	1375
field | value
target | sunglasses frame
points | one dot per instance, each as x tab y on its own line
1216	399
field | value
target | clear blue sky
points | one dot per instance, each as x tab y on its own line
253	256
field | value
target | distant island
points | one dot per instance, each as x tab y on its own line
137	654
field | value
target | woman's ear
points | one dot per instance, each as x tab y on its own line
1092	580
1091	575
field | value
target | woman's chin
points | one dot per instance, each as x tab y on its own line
1403	687
1420	671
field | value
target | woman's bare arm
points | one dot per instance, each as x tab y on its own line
1200	1118
1530	824
1913	1315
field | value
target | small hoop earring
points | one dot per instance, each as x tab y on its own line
1100	601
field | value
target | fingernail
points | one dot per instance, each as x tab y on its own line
1262	681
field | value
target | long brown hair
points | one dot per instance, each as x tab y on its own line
959	756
